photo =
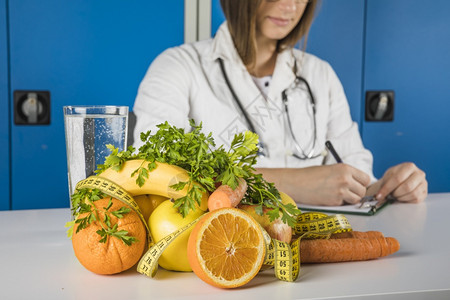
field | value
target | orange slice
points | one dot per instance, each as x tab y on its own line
226	248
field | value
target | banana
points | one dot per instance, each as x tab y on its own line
158	182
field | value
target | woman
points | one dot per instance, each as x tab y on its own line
249	77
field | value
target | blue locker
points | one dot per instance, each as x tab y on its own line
217	16
407	50
337	36
83	52
4	109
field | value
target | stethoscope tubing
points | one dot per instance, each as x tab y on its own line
262	149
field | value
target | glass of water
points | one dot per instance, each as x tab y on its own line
88	130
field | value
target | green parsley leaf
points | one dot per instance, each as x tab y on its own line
273	213
82	201
121	212
116	159
70	225
179	186
123	235
206	164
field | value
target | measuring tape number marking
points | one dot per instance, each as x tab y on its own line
284	257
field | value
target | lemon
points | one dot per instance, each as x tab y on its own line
286	199
147	203
163	221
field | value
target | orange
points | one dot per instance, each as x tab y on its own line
114	256
226	248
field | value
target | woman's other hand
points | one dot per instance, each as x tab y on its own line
406	182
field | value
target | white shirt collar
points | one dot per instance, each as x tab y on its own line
283	76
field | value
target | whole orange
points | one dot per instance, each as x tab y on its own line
113	256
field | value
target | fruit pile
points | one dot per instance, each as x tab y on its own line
175	179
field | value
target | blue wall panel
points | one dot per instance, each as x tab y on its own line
217	16
96	52
408	47
4	110
83	52
337	37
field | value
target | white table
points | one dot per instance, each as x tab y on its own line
37	262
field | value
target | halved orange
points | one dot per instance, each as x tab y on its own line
226	248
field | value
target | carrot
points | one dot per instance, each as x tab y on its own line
225	196
346	249
357	234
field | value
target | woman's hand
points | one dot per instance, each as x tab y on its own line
322	185
406	182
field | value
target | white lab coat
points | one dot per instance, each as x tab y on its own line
186	83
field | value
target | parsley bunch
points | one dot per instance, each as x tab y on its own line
83	203
206	165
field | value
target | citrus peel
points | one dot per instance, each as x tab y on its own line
226	248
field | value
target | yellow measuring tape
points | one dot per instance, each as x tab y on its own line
311	225
148	265
284	257
110	188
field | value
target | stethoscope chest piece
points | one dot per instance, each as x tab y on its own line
262	151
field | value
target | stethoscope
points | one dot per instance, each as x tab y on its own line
262	149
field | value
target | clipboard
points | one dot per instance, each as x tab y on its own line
367	207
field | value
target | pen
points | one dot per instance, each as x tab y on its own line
333	152
363	200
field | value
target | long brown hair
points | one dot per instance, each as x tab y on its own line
241	19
